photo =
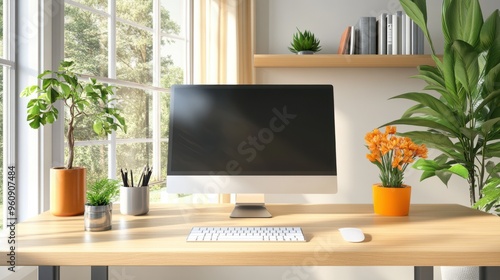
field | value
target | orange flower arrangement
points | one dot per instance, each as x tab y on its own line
392	154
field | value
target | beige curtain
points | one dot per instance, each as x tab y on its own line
223	44
223	40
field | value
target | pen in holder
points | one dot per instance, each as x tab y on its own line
134	199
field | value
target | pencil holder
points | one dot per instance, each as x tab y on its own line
134	200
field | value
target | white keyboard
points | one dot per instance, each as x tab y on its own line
244	234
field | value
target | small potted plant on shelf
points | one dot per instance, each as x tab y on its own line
304	43
98	209
80	99
392	155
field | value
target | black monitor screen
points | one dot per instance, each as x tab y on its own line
252	130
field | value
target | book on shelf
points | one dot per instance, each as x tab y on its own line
414	38
420	40
352	41
408	24
366	36
345	41
405	36
396	26
389	34
382	34
401	31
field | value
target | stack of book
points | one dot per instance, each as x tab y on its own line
386	34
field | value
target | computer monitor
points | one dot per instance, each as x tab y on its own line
259	139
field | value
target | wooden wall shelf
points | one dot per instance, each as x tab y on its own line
340	61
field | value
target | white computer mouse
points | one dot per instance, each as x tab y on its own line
352	234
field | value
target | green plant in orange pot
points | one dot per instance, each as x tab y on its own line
392	154
80	99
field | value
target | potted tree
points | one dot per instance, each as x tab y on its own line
304	43
462	118
98	209
89	99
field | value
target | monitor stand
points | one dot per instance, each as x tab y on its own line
250	206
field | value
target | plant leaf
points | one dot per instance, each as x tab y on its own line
444	176
463	20
489	31
466	65
423	123
459	170
29	91
433	103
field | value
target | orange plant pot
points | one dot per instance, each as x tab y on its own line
67	191
391	201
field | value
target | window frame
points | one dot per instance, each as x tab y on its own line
9	101
112	141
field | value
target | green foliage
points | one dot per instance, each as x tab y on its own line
491	196
102	192
463	121
304	41
78	97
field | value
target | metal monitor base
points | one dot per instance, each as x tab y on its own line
249	210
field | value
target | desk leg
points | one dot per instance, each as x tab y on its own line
49	273
99	273
424	273
489	272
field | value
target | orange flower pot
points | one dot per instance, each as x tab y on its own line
391	201
67	191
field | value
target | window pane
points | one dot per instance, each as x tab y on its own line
164	159
101	5
137	109
86	41
173	17
165	114
134	50
134	157
94	158
173	62
140	12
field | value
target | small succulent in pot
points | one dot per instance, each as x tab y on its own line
304	42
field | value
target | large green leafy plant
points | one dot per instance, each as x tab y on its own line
462	117
81	99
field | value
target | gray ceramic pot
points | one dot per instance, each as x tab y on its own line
98	218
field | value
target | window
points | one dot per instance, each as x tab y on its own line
6	104
141	47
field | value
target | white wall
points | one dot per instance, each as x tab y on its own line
277	20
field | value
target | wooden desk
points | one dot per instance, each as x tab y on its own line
432	235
